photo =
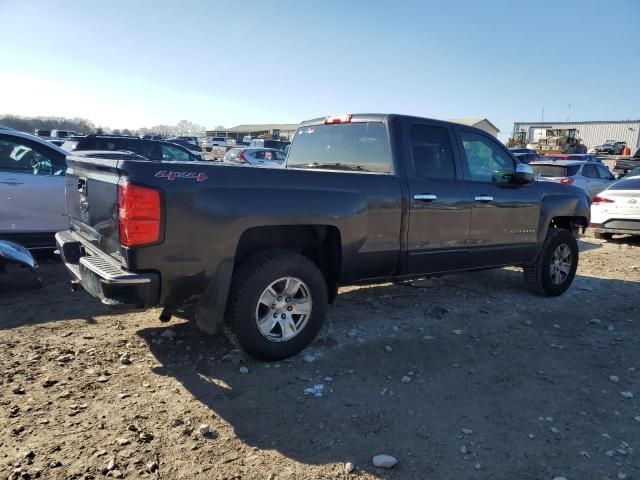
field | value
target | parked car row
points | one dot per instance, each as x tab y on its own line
150	149
592	177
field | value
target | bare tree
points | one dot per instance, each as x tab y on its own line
185	127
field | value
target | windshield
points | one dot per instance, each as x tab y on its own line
555	170
362	146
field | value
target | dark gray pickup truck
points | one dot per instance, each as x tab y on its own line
363	199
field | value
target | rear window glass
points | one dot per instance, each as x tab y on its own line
357	147
555	170
627	184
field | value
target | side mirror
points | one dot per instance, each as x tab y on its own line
523	174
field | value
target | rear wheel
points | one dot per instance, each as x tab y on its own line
277	304
554	269
602	235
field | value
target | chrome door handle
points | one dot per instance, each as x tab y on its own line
425	197
10	182
484	198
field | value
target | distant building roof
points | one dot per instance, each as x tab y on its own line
263	127
589	122
472	122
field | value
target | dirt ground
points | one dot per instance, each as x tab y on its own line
466	377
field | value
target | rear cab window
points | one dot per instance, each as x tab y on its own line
358	147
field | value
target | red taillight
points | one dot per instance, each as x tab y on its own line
346	118
242	158
598	199
566	181
139	215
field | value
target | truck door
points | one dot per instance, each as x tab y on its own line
504	215
439	201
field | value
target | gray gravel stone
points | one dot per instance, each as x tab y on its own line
384	461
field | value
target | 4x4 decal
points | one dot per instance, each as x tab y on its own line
200	177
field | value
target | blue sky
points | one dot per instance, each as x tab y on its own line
140	63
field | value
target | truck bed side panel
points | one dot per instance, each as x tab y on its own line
205	219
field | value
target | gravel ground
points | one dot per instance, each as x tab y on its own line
467	376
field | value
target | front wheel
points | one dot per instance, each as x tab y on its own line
277	304
554	269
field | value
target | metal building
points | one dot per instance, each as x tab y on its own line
591	133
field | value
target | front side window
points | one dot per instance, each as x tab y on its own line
486	161
21	158
432	153
352	147
604	172
174	154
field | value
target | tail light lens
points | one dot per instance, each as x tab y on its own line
598	199
242	158
139	215
566	181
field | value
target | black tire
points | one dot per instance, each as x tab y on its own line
249	281
602	235
537	275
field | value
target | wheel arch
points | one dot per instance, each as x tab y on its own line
322	244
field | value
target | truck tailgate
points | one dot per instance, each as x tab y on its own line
91	188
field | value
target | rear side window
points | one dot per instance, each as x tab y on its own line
143	148
431	152
356	147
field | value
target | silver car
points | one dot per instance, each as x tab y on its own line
256	157
32	197
590	176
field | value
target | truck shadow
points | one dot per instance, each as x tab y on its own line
22	302
471	348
